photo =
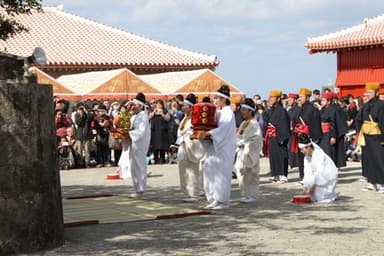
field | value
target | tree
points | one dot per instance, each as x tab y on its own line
8	25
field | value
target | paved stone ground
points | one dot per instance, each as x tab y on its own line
353	225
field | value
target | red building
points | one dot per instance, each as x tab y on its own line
360	54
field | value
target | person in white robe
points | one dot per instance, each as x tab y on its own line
190	154
220	146
249	145
320	172
133	160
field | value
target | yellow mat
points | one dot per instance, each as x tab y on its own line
115	209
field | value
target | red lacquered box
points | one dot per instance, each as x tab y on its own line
301	199
204	116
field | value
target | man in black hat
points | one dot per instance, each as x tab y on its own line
190	153
133	160
218	162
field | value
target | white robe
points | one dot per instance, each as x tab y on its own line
190	153
321	171
247	163
133	160
219	158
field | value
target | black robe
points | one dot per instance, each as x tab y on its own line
293	114
334	115
159	133
328	115
373	151
341	130
311	117
278	151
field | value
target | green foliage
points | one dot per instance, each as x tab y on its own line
8	25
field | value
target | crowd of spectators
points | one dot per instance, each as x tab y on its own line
83	128
83	131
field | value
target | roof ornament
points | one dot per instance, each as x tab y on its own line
366	22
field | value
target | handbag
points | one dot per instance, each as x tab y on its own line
114	143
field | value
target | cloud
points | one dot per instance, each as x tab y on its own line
180	11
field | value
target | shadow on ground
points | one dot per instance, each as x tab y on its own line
273	214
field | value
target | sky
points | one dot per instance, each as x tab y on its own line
259	43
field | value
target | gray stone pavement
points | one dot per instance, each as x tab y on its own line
353	225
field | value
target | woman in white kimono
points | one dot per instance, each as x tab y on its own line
220	153
133	160
249	145
190	153
320	172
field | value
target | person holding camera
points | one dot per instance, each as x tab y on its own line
62	122
102	125
83	135
159	131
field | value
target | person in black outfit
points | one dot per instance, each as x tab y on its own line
276	137
308	116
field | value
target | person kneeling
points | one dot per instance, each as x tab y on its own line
320	172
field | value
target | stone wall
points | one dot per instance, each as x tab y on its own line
31	216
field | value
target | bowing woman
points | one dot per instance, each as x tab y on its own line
320	172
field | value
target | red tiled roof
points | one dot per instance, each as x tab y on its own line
370	32
69	40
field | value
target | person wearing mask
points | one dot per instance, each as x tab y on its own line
114	110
